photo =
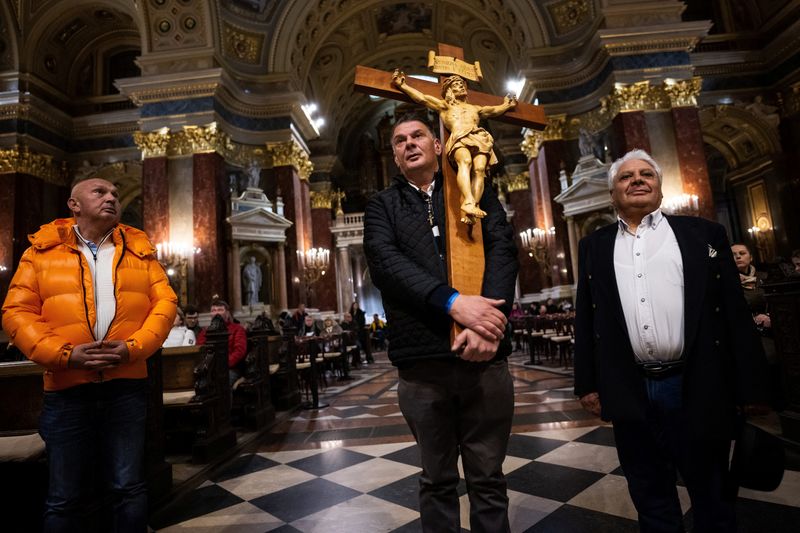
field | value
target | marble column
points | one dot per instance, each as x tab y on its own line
692	159
155	199
573	244
280	276
210	195
236	277
553	154
345	278
325	288
630	131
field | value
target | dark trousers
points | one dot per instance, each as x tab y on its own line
454	406
95	428
650	452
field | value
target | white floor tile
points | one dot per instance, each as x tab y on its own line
788	493
592	457
371	474
239	518
267	481
364	514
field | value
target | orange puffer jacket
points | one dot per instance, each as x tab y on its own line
50	303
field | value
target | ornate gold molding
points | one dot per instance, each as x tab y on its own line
683	93
633	97
21	160
153	143
289	153
569	14
531	143
190	140
159	94
242	44
518	182
321	199
555	127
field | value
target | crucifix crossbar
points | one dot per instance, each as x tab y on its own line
464	243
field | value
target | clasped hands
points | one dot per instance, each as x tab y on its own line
99	355
484	326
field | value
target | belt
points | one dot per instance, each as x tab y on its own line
660	369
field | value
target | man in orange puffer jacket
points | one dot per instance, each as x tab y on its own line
90	303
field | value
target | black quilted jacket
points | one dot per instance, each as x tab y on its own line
405	266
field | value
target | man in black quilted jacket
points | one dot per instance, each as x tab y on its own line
456	398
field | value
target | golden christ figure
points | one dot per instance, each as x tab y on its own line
469	146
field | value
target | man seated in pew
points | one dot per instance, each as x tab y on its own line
90	303
180	335
193	320
377	330
237	339
309	328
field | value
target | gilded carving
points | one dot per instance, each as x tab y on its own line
243	45
200	140
631	97
531	143
555	127
290	154
22	161
683	93
518	182
569	14
321	199
153	143
159	94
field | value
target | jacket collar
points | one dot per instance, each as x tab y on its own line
438	181
60	232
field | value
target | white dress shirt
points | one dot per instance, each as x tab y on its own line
649	272
101	266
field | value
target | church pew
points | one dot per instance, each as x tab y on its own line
252	403
285	393
197	397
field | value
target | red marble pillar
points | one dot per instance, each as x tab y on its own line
521	202
7	210
285	182
692	159
630	131
325	288
155	199
553	154
210	197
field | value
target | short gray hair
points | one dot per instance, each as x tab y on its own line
636	153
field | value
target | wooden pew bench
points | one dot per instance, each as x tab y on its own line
197	400
252	402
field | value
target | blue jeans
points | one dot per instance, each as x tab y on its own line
96	427
652	451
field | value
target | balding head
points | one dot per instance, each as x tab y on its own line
95	203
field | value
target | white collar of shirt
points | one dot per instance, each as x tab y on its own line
429	191
652	221
101	265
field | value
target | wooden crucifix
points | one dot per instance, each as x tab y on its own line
465	258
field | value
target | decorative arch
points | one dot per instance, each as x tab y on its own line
740	135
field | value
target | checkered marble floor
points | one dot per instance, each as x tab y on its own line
353	467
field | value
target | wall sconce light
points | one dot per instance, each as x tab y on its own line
536	241
174	255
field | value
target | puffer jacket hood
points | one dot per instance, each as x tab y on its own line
50	305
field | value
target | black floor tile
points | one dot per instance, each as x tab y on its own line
404	492
603	435
550	481
569	519
529	447
756	516
391	431
285	529
304	499
244	464
199	502
330	461
407	456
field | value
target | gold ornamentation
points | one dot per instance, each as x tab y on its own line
632	97
683	93
321	199
289	153
451	65
555	127
338	196
531	143
21	160
518	182
204	139
569	15
153	143
159	94
243	45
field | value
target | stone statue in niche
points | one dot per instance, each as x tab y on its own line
588	144
253	174
251	278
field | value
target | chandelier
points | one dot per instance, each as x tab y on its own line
313	263
681	204
536	241
174	255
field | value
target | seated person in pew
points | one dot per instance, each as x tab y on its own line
237	339
377	330
309	328
180	335
90	303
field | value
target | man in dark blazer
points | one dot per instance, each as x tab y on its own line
665	348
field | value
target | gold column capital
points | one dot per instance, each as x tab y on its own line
531	143
152	143
20	160
321	199
518	182
683	93
555	127
289	153
631	97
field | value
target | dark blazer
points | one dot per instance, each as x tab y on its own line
405	265
725	363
